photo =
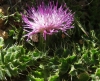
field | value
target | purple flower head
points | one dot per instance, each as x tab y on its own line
47	19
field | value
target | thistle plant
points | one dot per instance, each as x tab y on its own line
47	19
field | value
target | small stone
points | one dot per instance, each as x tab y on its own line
3	34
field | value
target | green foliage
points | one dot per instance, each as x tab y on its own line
54	78
98	72
10	61
1	42
15	59
83	77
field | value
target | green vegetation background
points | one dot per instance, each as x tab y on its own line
70	58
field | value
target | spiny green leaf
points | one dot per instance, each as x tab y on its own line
79	25
1	74
73	58
54	78
83	76
97	73
64	65
32	78
11	32
7	72
73	71
37	74
1	42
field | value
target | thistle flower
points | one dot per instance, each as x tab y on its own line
47	19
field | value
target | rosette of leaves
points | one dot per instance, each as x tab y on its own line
15	59
11	62
87	66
